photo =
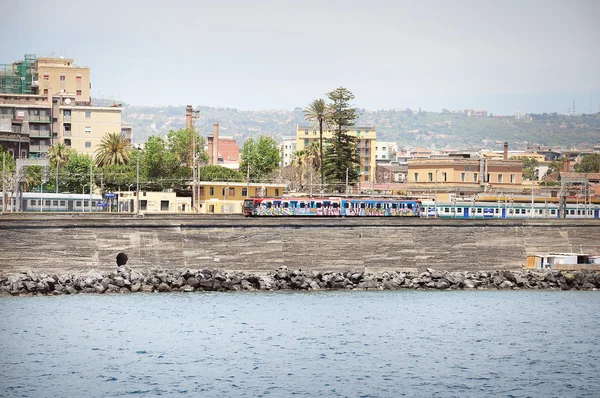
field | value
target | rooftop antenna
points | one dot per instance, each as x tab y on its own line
573	107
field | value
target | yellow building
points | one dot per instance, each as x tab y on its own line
153	202
60	75
464	174
218	197
365	146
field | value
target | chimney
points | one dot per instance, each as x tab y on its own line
506	151
188	117
215	147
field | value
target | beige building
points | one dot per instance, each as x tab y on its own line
60	75
227	197
464	174
83	127
366	144
153	202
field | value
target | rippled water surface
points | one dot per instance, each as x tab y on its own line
387	344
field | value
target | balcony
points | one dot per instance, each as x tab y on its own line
38	148
39	133
39	118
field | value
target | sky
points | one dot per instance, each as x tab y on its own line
503	56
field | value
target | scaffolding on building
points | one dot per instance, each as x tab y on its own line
19	77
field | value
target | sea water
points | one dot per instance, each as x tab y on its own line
279	344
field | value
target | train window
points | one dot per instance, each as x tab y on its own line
302	205
479	210
335	205
459	210
319	204
55	203
410	205
285	205
552	211
63	202
378	205
86	203
362	206
78	203
393	205
267	204
446	210
346	205
47	203
93	203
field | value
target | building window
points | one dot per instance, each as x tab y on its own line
429	177
88	144
88	129
46	77
212	191
45	91
244	191
164	205
306	132
78	92
78	78
62	78
256	191
144	204
500	178
444	177
513	178
487	178
416	177
201	191
88	114
276	191
223	192
475	177
231	191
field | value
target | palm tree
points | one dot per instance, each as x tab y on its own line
319	113
114	149
298	163
58	154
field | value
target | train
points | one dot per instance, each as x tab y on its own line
56	202
506	210
374	207
332	207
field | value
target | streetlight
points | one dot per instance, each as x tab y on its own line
137	192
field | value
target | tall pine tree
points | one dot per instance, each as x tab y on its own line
341	159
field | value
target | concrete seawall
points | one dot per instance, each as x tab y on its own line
78	243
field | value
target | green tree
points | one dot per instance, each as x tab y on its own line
529	165
220	173
589	164
160	168
180	143
319	113
58	155
114	148
341	150
259	158
76	177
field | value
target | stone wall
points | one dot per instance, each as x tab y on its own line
76	244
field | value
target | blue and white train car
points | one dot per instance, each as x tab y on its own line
61	202
505	210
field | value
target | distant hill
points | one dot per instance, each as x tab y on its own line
406	127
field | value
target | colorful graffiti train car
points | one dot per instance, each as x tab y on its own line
331	207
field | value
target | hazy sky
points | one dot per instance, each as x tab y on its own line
503	56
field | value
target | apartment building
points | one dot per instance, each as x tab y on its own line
286	151
365	147
45	101
386	151
25	125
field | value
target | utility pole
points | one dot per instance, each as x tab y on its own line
3	181
346	182
137	188
91	165
248	180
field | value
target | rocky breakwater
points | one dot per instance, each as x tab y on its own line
125	280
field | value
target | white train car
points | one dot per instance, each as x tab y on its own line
61	202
